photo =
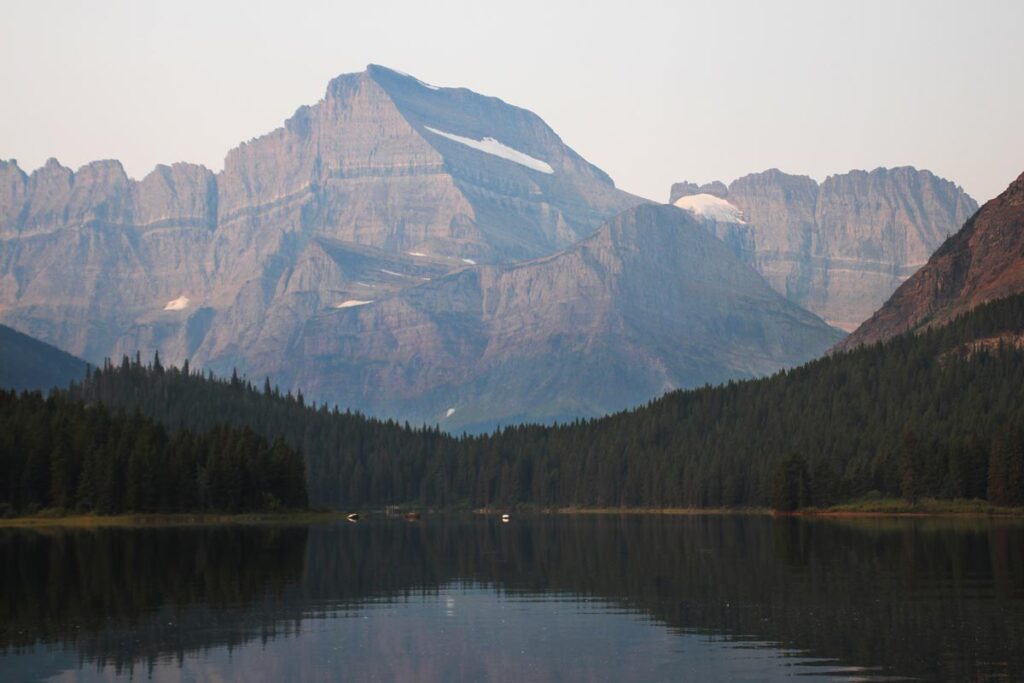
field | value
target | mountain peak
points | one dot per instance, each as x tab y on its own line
377	71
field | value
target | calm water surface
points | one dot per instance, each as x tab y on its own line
637	598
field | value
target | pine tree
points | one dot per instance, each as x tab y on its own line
911	468
791	488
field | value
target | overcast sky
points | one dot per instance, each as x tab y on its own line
651	91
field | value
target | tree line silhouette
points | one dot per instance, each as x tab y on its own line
59	452
935	414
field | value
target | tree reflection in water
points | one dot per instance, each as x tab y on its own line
938	599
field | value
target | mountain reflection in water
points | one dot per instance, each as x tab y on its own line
543	598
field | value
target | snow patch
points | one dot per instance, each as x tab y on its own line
352	303
449	412
469	261
711	207
495	148
179	304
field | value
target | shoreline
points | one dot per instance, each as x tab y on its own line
930	508
95	521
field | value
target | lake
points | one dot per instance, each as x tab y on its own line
542	598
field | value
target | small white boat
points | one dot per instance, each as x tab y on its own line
505	518
352	517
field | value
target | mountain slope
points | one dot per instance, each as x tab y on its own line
649	303
841	248
29	364
982	262
194	263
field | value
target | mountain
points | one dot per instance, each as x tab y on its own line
649	303
838	249
29	364
404	249
215	267
982	262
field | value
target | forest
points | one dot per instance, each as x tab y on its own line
932	414
61	454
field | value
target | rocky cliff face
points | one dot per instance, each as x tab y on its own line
649	303
982	262
841	248
399	248
206	266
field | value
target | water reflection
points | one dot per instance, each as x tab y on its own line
545	598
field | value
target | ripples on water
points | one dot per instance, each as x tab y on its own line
542	599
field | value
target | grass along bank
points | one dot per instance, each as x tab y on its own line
54	518
925	506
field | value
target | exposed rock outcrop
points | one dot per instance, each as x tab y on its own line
841	248
649	303
982	262
90	259
401	249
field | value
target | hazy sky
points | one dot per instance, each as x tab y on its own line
651	91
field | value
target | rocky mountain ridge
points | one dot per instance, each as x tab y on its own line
840	248
234	249
649	303
982	262
409	250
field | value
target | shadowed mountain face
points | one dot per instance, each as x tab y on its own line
650	302
838	249
384	183
982	262
29	364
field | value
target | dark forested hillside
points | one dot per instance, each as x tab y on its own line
61	453
29	364
936	414
351	460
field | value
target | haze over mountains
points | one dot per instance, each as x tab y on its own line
27	364
838	249
433	254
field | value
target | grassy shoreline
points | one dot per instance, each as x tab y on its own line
879	507
94	521
874	507
926	507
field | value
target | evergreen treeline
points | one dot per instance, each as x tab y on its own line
935	414
60	453
351	460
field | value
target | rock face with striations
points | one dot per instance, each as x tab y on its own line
982	262
650	302
210	267
841	248
401	249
